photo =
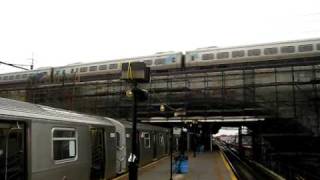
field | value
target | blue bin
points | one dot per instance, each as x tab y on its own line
184	166
181	166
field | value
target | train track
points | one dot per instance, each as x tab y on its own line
246	169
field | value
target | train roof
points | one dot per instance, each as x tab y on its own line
128	124
253	45
17	110
120	59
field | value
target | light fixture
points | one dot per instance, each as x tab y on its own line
162	108
129	93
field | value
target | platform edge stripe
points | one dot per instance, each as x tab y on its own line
141	168
228	166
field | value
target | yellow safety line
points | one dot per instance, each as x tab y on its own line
142	168
232	176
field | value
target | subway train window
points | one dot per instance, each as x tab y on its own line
18	76
305	47
92	68
160	61
24	76
318	46
287	49
207	56
270	51
5	78
0	78
113	66
223	55
148	62
64	144
146	140
102	67
254	52
236	54
11	77
83	69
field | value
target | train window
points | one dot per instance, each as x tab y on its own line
223	55
5	78
24	76
0	78
83	69
147	140
102	67
148	62
270	51
194	57
92	68
254	52
72	71
236	54
160	61
305	47
207	56
64	144
287	49
11	77
113	66
18	76
318	46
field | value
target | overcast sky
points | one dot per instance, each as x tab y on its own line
61	32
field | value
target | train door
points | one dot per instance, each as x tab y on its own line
155	145
12	151
98	153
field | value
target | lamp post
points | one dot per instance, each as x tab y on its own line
133	165
135	72
171	144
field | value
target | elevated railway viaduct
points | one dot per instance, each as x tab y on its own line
278	102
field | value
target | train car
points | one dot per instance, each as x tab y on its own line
161	61
253	53
81	71
152	142
39	142
39	75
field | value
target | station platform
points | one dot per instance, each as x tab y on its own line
205	166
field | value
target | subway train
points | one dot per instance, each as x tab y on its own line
40	142
167	61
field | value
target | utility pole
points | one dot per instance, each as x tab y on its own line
32	61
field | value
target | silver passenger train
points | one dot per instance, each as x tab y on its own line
176	60
39	142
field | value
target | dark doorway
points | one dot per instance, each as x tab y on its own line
98	153
12	151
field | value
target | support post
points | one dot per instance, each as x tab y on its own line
133	166
240	142
171	156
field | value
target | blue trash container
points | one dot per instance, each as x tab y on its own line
181	165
